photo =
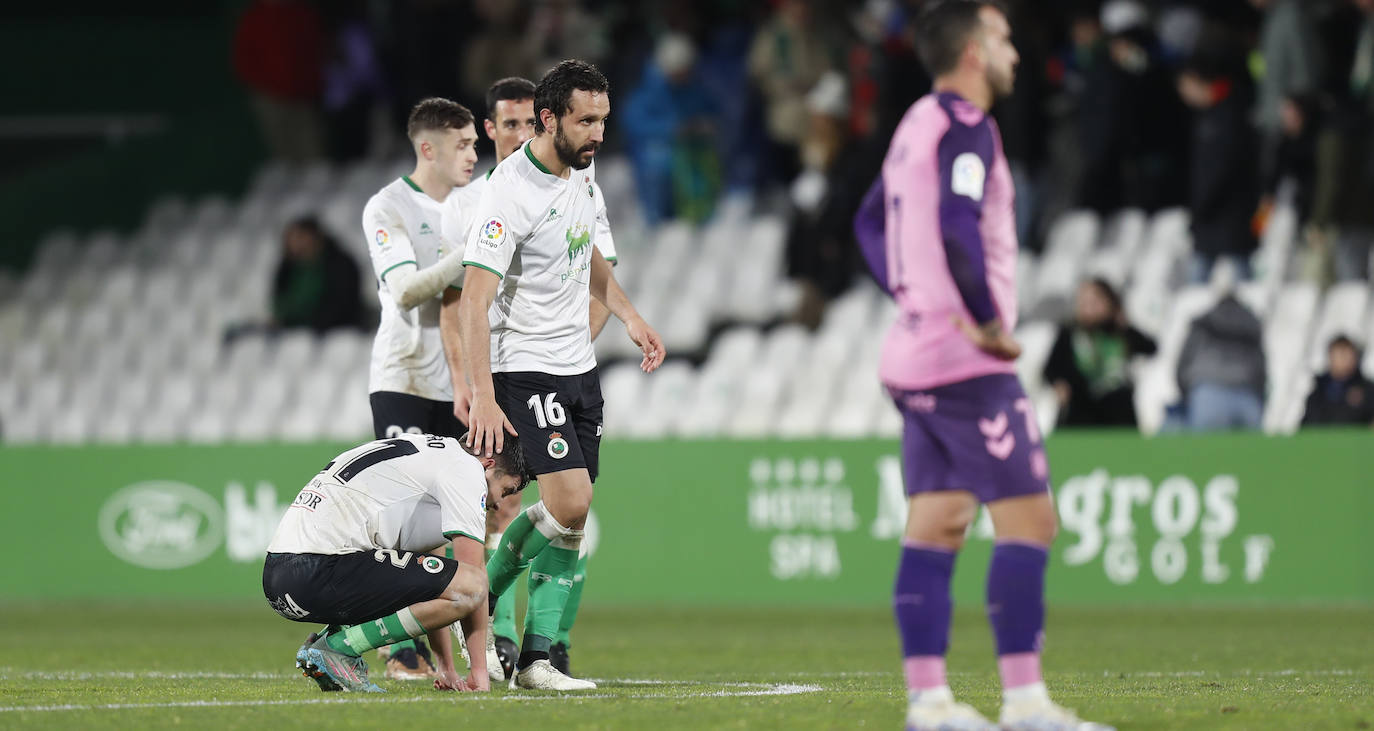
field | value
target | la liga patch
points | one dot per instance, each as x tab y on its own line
381	237
493	233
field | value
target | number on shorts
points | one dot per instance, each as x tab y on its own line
1032	429
549	412
390	449
395	430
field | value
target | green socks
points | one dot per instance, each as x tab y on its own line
565	625
360	638
523	540
551	578
503	619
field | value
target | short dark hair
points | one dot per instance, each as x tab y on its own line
437	113
944	28
555	90
511	88
1342	340
510	460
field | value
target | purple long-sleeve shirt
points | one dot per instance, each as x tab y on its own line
938	232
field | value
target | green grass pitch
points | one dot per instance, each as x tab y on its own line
202	666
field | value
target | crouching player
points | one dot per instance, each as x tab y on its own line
355	552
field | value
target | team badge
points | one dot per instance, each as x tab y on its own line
483	501
493	233
558	446
432	564
382	237
968	176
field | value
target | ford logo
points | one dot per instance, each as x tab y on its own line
161	524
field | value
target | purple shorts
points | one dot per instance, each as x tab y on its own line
977	435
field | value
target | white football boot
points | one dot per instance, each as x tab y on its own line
940	712
1043	714
494	669
541	675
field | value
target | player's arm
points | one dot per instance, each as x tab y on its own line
469	551
453	351
608	291
393	259
491	245
870	230
965	156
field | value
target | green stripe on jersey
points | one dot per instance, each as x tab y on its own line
397	264
412	184
465	534
483	266
530	154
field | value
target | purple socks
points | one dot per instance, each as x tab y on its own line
1016	609
921	603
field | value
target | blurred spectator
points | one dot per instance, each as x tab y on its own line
1341	209
670	120
278	54
1342	395
560	29
1295	159
837	170
786	60
1224	185
1287	53
501	49
1132	132
1089	366
317	283
1221	371
354	83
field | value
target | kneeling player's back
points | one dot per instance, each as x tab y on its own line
408	493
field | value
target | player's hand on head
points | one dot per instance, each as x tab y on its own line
487	427
648	341
462	405
990	338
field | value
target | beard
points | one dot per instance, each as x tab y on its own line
1002	84
567	154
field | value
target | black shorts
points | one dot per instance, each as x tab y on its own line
394	414
558	418
353	587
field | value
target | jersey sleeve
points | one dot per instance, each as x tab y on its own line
604	240
462	497
455	222
870	230
496	229
388	243
965	155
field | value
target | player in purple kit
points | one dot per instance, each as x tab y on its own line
938	231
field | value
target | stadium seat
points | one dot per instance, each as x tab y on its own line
1036	339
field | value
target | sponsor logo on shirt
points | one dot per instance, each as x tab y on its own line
382	237
578	237
425	229
493	233
553	214
968	175
308	499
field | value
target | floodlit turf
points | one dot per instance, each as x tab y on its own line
204	667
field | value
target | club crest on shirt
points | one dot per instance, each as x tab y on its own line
493	233
381	237
578	236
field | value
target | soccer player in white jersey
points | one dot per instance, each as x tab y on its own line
414	228
532	268
358	550
509	125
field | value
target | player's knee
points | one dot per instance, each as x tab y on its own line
467	590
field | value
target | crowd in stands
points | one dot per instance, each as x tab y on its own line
1224	107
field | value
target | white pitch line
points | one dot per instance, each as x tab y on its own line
764	689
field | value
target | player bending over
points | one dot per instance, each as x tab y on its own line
524	319
357	550
509	125
938	231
